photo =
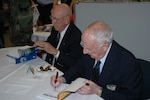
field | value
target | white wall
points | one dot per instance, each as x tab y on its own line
130	23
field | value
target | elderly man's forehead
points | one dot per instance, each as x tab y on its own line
88	34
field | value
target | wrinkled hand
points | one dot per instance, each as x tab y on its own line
59	81
89	88
42	45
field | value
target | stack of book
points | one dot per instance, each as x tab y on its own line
22	54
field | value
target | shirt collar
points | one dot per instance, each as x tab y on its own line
104	58
64	31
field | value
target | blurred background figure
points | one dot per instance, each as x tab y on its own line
44	7
21	22
3	20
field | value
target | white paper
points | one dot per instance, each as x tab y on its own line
51	93
75	85
77	96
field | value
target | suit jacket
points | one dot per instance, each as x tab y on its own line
70	48
121	71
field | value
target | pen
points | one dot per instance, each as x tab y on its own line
56	78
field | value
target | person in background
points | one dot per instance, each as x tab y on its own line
65	53
3	7
44	7
118	77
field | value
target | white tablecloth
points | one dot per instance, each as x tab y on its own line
16	83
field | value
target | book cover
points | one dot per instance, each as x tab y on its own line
22	58
22	54
22	51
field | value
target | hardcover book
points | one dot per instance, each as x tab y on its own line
22	54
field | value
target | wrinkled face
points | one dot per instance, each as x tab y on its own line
91	46
59	20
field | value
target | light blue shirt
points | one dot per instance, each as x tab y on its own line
104	58
45	2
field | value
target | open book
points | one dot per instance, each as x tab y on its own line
73	87
62	91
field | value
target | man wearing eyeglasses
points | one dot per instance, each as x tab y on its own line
117	74
63	45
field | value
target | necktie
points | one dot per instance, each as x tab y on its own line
50	58
95	72
57	42
57	38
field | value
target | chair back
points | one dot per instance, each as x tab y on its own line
145	66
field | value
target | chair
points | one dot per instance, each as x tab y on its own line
145	66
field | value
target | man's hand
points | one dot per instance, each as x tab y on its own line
89	88
57	83
42	45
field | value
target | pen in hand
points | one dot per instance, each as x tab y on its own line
56	78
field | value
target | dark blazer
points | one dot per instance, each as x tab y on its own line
120	69
70	48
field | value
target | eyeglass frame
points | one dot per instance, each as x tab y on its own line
56	19
90	51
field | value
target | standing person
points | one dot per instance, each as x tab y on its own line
65	53
21	22
118	75
44	7
3	7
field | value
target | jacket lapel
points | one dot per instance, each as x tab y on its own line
66	36
109	64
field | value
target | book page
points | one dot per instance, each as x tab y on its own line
75	85
77	96
51	93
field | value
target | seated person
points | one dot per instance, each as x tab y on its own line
117	77
65	53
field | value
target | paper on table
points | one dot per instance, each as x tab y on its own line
73	87
77	96
51	94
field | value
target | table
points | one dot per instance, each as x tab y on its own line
16	83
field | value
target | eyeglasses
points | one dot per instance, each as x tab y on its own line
90	50
56	19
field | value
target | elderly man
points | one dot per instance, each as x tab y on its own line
63	45
112	71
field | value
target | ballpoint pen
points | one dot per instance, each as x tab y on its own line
56	78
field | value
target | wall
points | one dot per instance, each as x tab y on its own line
130	23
